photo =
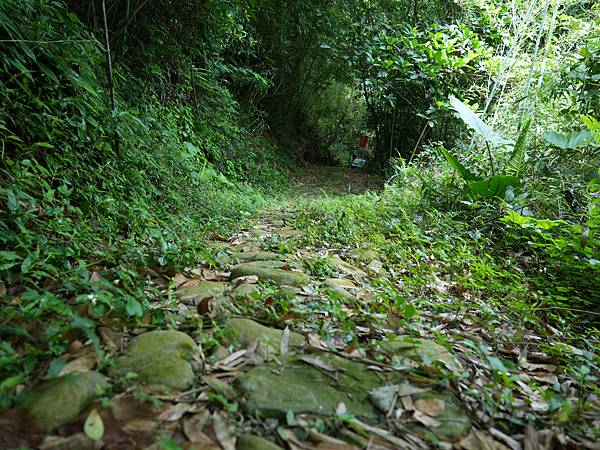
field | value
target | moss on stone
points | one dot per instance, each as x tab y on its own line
205	289
253	442
363	254
247	331
58	401
159	357
273	389
421	351
270	271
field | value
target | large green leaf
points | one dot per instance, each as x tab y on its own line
493	187
517	157
472	120
569	141
465	173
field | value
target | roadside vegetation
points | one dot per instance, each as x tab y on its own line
137	137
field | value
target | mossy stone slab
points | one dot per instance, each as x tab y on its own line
204	289
248	331
166	358
289	232
253	442
341	291
58	401
363	254
346	267
273	389
421	351
270	271
340	282
245	290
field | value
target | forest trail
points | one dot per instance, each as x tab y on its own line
315	181
254	355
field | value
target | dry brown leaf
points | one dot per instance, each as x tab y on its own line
407	403
255	354
384	434
431	406
179	279
217	237
231	360
284	343
335	446
512	443
190	283
204	306
329	443
176	412
426	420
248	279
531	440
221	429
315	341
320	364
75	441
111	338
405	389
95	276
375	266
140	425
477	440
193	427
83	363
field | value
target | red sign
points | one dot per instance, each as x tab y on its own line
363	141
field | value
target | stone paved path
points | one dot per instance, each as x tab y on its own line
254	354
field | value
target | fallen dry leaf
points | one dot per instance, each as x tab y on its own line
477	440
512	443
284	343
95	276
426	420
221	429
248	279
204	306
110	337
375	266
83	363
320	364
176	412
407	403
217	237
255	354
432	406
193	427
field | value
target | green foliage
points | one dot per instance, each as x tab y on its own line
407	71
569	141
465	173
493	186
473	121
79	224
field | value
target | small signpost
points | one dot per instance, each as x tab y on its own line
363	145
358	162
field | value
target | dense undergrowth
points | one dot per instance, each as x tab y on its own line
501	262
72	205
96	200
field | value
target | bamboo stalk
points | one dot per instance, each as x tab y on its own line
111	84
